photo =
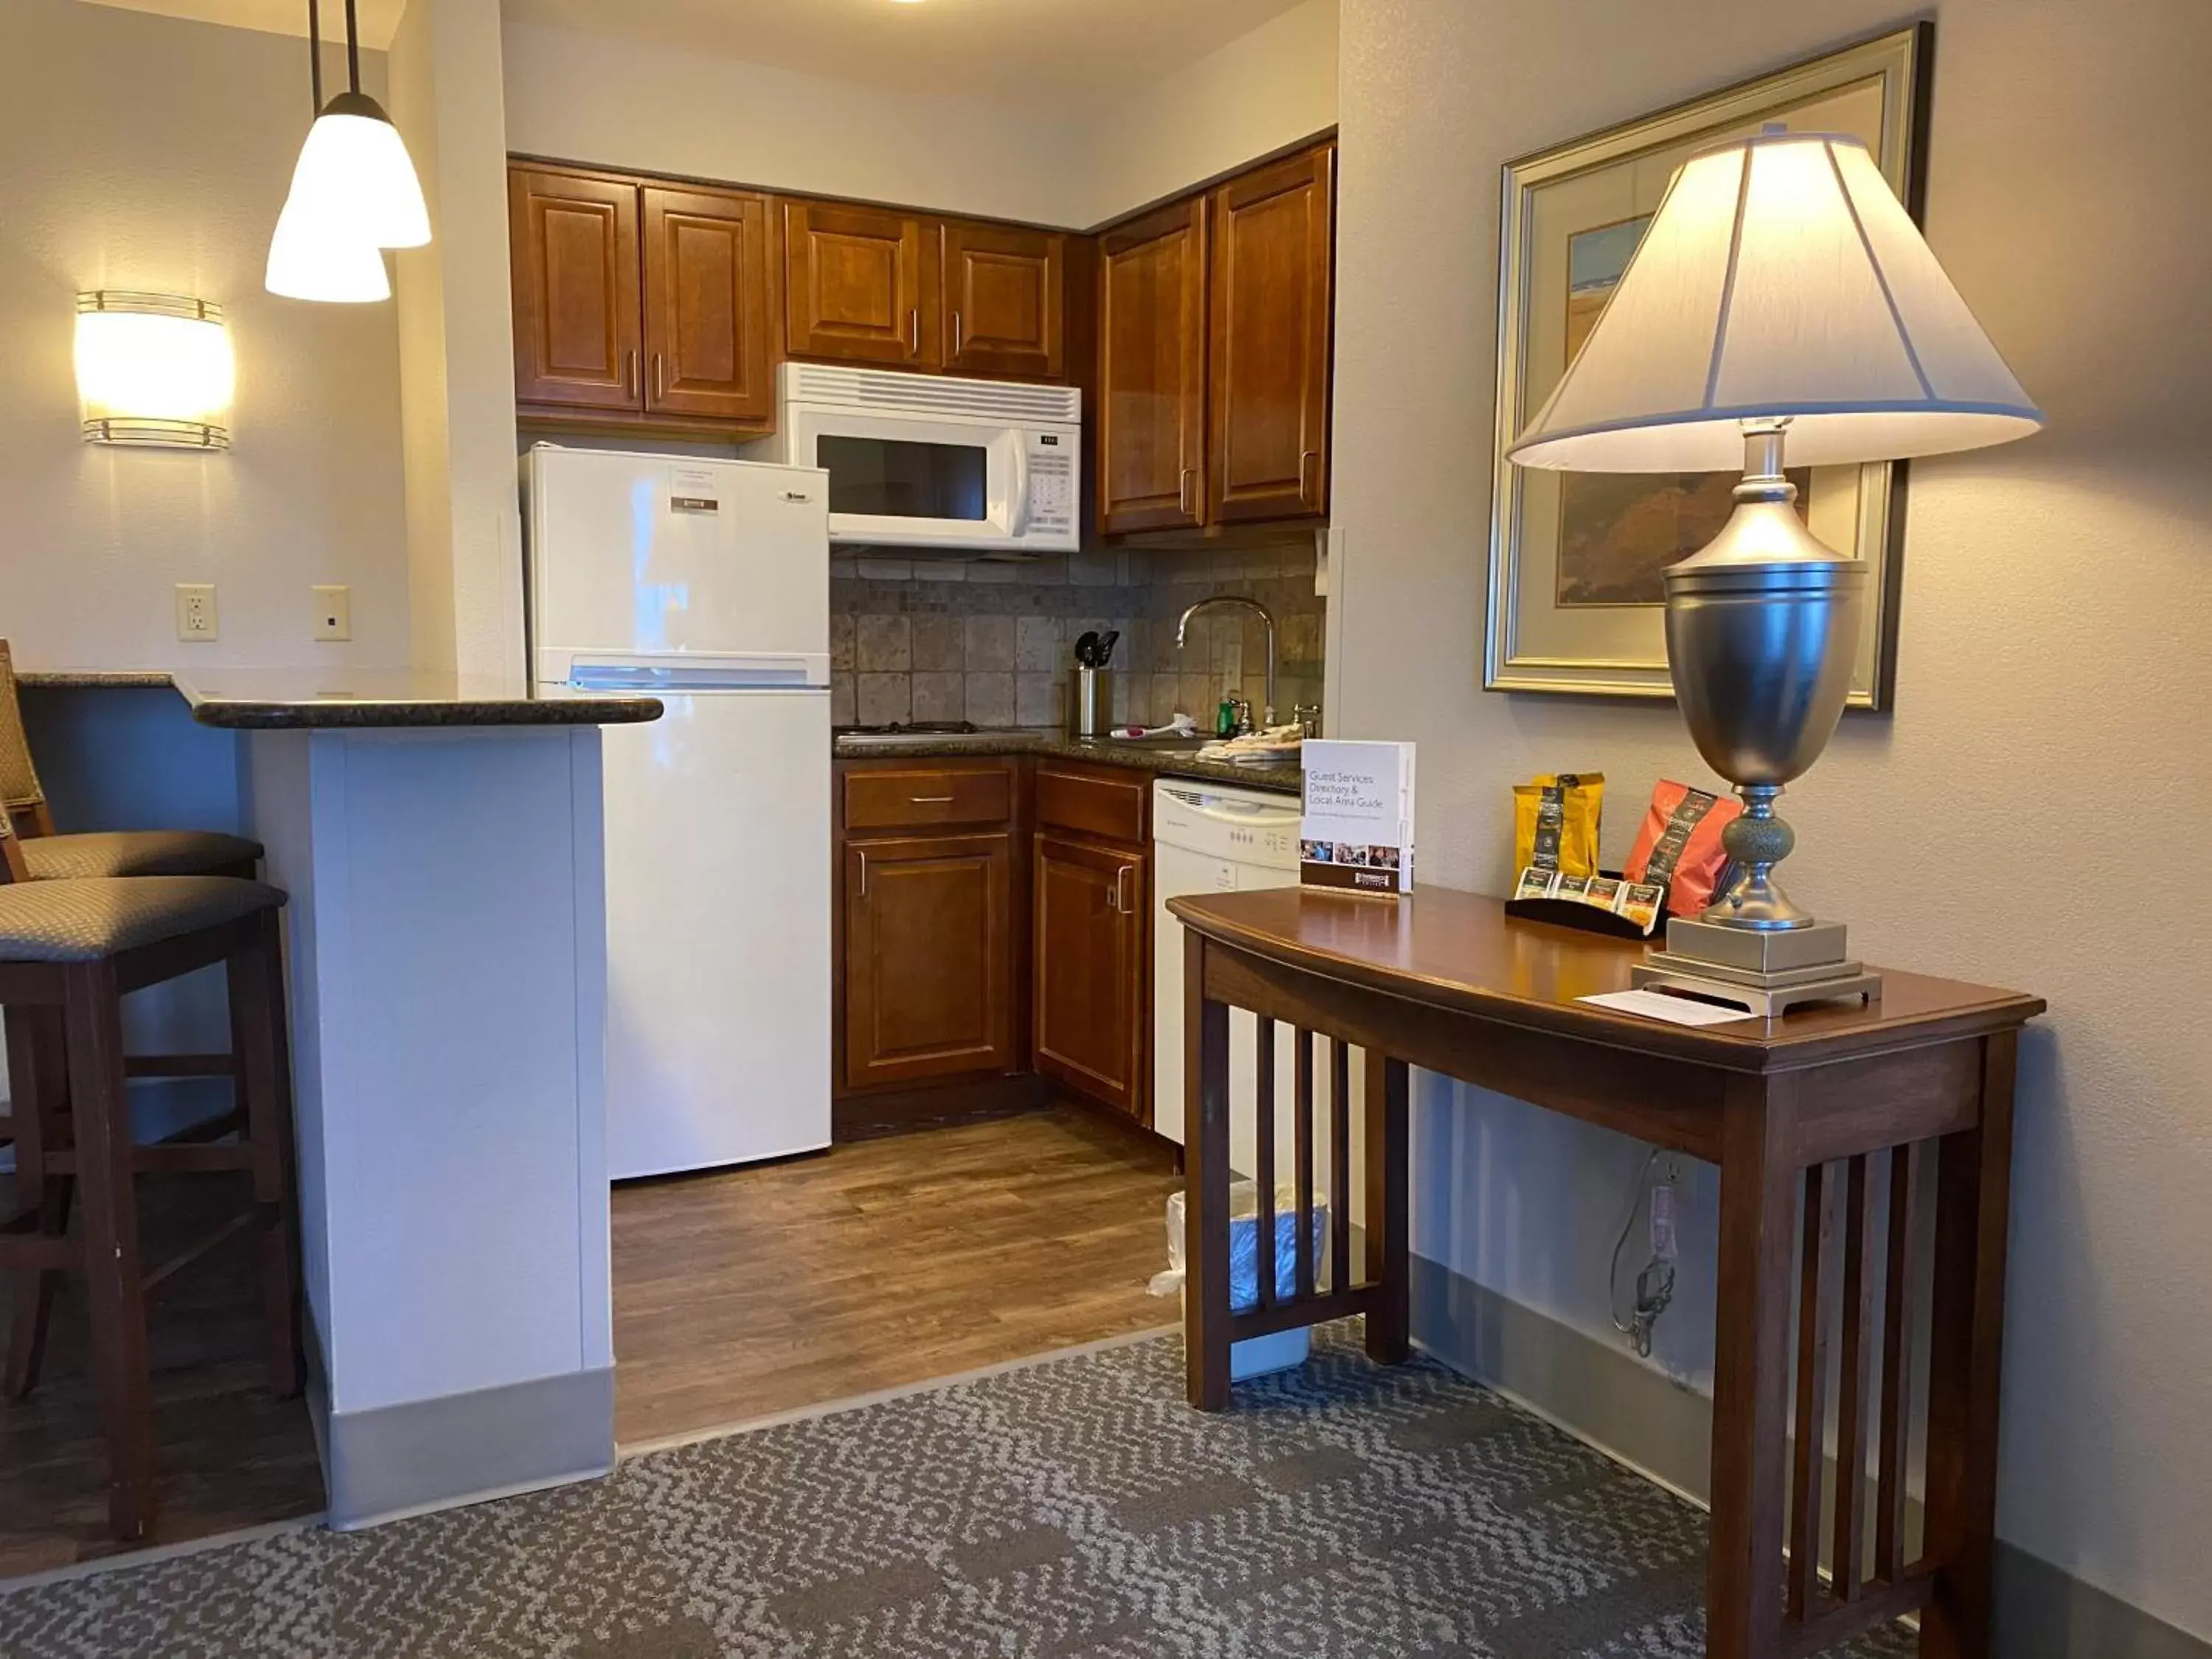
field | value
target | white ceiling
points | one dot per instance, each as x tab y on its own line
1025	51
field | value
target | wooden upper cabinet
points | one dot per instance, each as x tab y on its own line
1091	970
710	316
929	957
1272	304
1151	372
1006	300
574	243
861	285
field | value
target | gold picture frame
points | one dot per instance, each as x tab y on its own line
1575	602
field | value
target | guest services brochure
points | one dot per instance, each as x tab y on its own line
1357	832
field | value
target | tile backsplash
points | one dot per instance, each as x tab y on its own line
994	640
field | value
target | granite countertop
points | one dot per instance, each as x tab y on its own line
256	699
1174	760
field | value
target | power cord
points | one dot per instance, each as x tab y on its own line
1654	1286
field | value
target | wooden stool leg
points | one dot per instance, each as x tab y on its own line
264	1079
101	1116
36	1060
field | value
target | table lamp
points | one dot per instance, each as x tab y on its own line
1782	299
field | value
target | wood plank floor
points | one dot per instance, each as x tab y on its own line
880	1264
231	1454
736	1295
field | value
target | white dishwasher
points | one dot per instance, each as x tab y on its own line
1216	838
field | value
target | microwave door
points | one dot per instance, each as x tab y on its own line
900	481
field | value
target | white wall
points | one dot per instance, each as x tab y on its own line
141	152
457	347
2053	680
627	104
1262	91
574	97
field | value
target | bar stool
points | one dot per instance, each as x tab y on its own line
35	853
40	854
72	948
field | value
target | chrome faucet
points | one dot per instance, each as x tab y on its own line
1258	609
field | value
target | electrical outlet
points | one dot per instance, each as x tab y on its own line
333	613
196	613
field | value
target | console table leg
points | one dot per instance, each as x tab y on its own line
1206	1191
1389	1259
1973	1187
1751	1373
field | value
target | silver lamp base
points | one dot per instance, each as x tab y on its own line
1763	973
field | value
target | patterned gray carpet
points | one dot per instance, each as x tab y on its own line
1076	1507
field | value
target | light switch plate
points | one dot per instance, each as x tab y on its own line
333	613
196	613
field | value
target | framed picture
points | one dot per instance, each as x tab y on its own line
1577	603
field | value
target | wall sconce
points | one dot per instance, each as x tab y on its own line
153	369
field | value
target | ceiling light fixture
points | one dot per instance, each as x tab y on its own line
353	190
153	369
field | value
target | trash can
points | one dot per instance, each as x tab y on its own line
1258	1355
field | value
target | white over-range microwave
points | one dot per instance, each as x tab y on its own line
926	461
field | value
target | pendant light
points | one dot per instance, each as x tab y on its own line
353	190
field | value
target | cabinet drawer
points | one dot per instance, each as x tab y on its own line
1109	805
912	797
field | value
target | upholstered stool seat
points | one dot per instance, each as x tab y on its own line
85	920
69	951
138	852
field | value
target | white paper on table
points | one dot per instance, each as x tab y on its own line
1657	1004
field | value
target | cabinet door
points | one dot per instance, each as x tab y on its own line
929	957
1090	972
578	318
708	313
1151	371
861	284
1006	300
1269	401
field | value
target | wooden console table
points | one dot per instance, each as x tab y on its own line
1826	1105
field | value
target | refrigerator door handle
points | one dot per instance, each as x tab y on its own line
689	671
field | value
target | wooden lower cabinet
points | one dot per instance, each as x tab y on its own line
1092	969
928	959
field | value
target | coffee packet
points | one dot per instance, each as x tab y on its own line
1678	846
1555	823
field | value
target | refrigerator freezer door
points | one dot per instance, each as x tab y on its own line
646	555
718	932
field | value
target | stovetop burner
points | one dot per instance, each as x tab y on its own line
911	729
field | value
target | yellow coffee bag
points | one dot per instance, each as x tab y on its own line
1555	823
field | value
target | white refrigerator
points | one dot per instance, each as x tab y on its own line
705	583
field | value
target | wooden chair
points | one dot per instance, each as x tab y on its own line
35	853
69	951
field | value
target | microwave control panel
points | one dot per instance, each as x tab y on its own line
1053	473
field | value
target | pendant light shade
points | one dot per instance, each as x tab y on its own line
353	193
310	258
354	173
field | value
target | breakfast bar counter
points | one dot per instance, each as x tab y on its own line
1855	1107
442	843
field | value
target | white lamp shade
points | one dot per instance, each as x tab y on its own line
153	369
1780	277
315	257
355	168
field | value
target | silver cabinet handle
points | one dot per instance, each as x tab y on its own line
914	331
864	875
956	334
658	389
1121	901
1183	489
929	801
629	374
1306	458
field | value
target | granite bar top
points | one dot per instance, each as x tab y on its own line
254	699
1173	760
